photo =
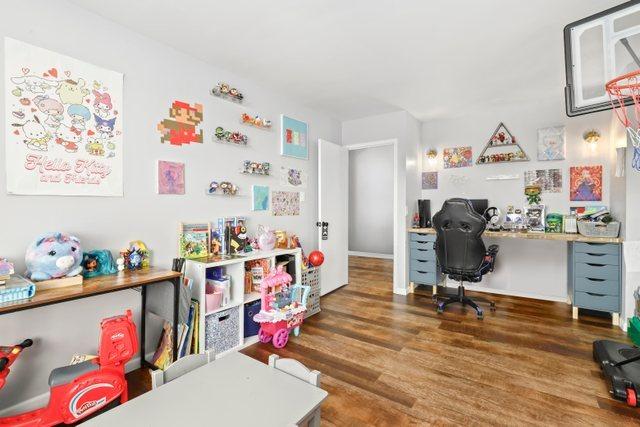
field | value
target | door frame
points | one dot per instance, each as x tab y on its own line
398	229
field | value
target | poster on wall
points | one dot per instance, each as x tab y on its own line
585	183
457	157
291	177
294	138
285	203
549	180
551	143
170	177
259	197
429	180
63	121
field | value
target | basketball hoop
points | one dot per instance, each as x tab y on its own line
620	90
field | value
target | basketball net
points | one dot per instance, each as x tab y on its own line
620	90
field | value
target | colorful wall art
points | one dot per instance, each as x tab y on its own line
63	124
182	125
290	177
585	183
259	198
549	180
551	143
285	203
294	138
457	157
170	177
429	180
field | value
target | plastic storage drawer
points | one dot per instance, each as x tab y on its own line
251	328
222	330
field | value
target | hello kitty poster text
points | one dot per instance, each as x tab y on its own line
63	124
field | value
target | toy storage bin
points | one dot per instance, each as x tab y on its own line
251	327
311	277
599	229
222	330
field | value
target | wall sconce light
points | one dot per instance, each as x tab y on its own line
591	137
432	154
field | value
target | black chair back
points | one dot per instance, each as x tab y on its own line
459	246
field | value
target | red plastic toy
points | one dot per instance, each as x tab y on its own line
82	389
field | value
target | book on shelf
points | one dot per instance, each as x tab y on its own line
162	357
193	241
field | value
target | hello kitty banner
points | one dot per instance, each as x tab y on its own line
63	124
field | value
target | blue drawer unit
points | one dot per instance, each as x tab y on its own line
423	265
595	275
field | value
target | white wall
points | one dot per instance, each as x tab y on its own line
518	258
155	75
402	127
371	200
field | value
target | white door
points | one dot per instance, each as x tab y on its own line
333	210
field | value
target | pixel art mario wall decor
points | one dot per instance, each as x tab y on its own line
181	127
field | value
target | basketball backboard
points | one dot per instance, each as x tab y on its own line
597	49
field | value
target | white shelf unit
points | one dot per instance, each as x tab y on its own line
196	269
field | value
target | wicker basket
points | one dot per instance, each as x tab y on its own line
599	229
311	277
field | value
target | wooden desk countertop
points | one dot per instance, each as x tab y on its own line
90	287
564	237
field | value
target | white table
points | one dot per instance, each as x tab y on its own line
235	390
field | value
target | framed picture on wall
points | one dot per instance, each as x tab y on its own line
294	136
551	143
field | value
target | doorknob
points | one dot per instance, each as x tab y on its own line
325	229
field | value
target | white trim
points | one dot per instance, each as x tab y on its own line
399	244
370	255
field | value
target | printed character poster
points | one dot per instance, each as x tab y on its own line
457	157
260	197
63	124
429	180
585	183
290	177
293	138
551	143
549	180
170	177
285	203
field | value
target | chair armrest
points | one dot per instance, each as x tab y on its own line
493	249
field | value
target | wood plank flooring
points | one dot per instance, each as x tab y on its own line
389	360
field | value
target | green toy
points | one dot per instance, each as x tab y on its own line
533	194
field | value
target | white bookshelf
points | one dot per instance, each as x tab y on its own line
234	268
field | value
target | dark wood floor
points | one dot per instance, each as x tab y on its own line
390	360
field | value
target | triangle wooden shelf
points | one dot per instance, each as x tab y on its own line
502	138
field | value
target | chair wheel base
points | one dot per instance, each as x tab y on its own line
480	315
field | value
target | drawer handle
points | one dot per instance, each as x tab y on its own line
595	295
595	265
590	254
422	272
422	250
594	280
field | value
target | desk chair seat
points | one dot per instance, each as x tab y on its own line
460	250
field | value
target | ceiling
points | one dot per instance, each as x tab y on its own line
350	59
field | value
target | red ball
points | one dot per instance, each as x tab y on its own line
316	258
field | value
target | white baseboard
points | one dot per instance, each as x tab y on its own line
370	255
41	400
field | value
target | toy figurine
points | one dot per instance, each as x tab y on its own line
136	256
554	223
223	90
255	121
223	187
231	137
98	263
533	194
52	256
256	168
120	263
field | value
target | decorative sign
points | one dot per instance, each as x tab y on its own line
63	124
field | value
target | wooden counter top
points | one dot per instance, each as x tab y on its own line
93	286
564	237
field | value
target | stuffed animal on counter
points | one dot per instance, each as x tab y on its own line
52	256
98	263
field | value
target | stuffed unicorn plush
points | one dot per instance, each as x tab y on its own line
53	255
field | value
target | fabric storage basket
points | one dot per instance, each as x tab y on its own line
222	330
599	229
251	327
311	277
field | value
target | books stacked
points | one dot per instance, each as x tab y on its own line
188	332
12	286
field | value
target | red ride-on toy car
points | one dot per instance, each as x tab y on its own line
76	391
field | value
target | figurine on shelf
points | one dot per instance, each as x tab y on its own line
120	263
223	90
98	263
136	256
256	168
533	194
52	256
230	137
256	121
223	187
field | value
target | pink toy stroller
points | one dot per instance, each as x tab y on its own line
282	309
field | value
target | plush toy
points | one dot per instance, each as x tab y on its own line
98	263
53	255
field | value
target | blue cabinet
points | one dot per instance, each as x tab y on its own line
596	276
423	265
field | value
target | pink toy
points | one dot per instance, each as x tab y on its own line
282	308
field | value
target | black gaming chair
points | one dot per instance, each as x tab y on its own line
460	250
